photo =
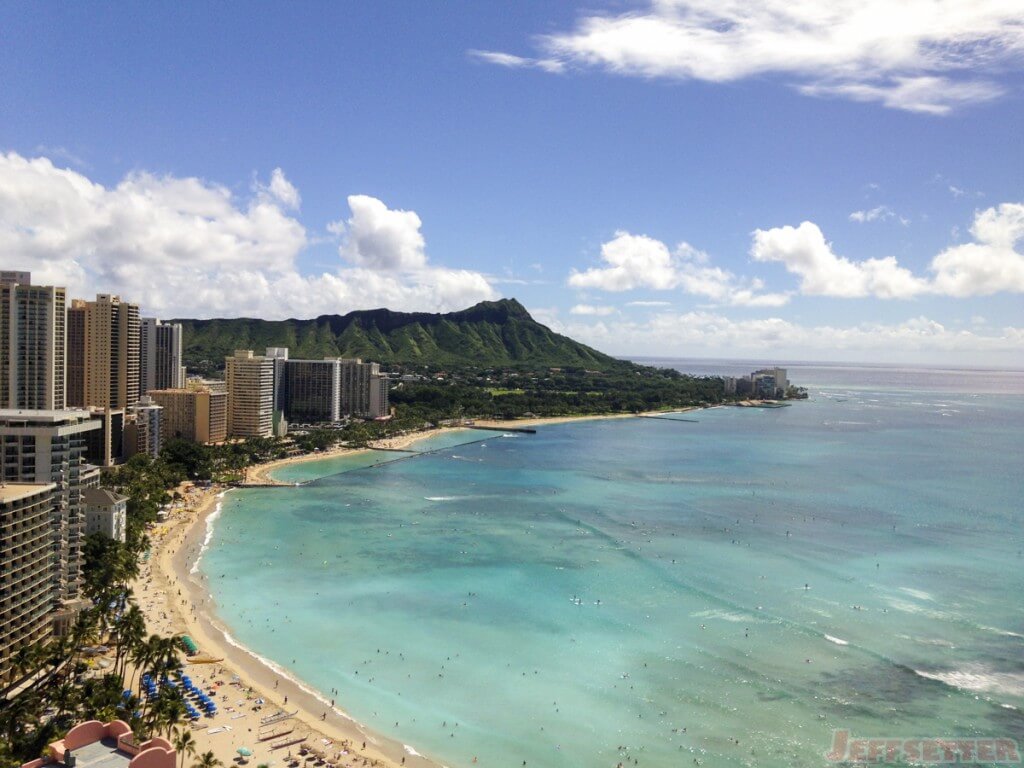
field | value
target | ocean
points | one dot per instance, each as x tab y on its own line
730	586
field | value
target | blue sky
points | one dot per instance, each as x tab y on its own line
685	177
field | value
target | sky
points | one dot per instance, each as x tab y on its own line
790	179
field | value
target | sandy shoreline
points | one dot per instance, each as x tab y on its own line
175	601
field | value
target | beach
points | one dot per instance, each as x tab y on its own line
175	601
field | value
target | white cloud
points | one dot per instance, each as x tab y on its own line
282	190
879	213
186	247
512	61
804	251
710	334
590	309
930	95
991	264
648	303
381	238
639	261
926	56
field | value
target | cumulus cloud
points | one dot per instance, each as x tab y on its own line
282	190
187	247
590	309
639	261
805	252
381	238
990	264
702	333
926	56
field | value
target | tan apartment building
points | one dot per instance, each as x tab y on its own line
106	343
26	581
250	383
32	344
197	414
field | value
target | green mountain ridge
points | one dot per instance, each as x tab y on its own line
491	333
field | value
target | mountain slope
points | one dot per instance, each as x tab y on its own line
492	333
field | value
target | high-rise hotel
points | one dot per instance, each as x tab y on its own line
104	345
42	449
32	333
250	384
160	356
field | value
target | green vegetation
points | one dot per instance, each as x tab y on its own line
492	333
517	392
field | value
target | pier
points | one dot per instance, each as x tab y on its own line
668	418
523	430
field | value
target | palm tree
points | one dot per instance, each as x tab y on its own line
174	712
185	745
141	657
207	760
130	630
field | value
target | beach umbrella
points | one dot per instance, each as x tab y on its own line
244	751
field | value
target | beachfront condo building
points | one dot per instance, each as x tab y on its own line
106	513
380	386
197	413
250	384
47	447
364	391
143	428
311	391
160	355
32	343
769	383
26	579
106	341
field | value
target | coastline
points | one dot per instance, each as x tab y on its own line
178	602
175	600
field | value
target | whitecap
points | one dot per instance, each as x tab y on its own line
998	631
734	616
836	640
979	679
210	519
919	594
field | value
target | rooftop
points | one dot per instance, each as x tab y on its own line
101	754
16	491
18	414
101	496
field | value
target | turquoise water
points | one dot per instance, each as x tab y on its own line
580	596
